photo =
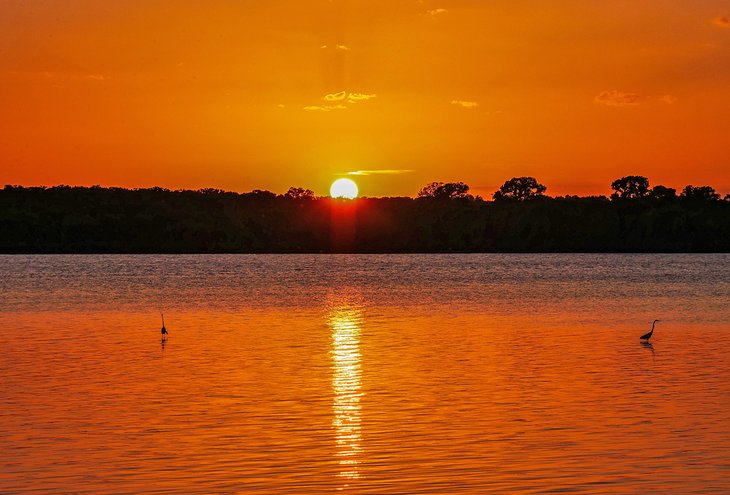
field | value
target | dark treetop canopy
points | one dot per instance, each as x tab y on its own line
444	218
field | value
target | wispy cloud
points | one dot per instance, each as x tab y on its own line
52	75
464	103
337	101
615	98
380	172
344	48
355	97
335	96
435	12
324	108
722	22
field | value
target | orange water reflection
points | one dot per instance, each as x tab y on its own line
364	374
345	323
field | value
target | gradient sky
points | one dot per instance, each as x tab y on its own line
245	95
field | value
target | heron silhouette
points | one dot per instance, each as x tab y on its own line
647	336
163	331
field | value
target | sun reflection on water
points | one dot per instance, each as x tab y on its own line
347	387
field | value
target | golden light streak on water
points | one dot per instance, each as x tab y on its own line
347	388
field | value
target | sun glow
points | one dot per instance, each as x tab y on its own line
343	188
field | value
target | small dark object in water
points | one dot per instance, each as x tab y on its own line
646	336
163	331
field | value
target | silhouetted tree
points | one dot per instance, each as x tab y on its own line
441	190
630	187
703	193
520	189
67	219
261	194
663	193
299	193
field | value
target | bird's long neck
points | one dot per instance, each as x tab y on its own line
163	320
652	326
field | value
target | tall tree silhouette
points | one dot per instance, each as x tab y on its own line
299	193
441	190
663	193
520	189
702	193
630	187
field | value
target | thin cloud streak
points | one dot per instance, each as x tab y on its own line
324	108
380	172
465	104
59	75
615	98
344	48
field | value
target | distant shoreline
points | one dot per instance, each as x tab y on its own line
433	253
81	220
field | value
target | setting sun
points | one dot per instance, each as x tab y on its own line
344	188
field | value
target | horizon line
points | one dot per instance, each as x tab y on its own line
475	195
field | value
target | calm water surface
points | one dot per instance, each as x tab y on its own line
367	374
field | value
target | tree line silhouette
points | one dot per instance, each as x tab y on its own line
444	217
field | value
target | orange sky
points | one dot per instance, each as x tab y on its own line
234	94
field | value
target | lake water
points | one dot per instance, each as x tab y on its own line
365	374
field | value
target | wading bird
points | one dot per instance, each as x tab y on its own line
647	336
163	331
